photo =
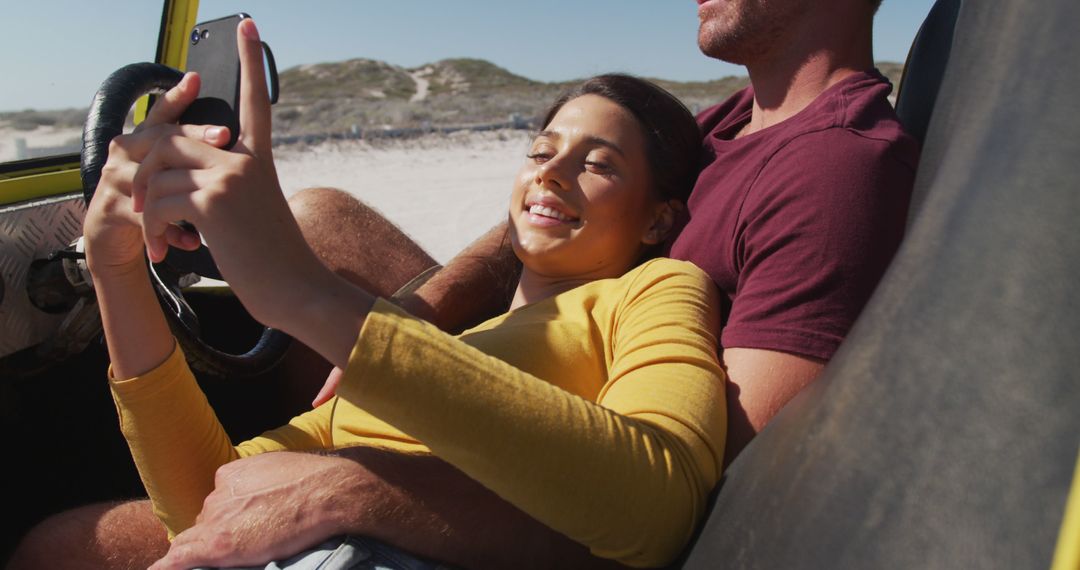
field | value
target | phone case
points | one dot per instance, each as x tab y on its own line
214	56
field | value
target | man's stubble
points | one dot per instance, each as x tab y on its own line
746	31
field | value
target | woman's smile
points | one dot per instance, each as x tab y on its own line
548	212
582	204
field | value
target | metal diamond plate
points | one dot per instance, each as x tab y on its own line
29	231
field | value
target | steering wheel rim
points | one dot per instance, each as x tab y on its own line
104	122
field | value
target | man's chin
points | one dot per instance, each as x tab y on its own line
721	50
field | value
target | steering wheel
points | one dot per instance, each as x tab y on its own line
105	121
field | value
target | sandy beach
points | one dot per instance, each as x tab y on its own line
444	190
47	140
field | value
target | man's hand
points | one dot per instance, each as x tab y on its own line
264	508
475	285
273	506
329	388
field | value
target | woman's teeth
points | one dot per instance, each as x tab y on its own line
549	213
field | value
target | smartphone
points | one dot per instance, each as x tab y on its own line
213	54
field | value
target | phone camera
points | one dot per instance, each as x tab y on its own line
196	34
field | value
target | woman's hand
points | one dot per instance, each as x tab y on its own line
139	338
112	229
234	199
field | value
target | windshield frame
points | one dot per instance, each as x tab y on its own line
33	178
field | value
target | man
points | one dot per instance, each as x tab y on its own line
797	173
800	203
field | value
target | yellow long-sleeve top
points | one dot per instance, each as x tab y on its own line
599	411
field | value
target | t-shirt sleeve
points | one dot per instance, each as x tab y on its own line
817	231
627	477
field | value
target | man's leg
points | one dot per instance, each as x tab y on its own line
104	535
359	244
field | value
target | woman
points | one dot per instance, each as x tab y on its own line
595	404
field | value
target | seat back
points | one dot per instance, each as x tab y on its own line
925	67
944	432
923	72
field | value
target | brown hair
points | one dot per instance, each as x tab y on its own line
672	136
672	144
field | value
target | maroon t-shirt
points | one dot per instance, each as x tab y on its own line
797	222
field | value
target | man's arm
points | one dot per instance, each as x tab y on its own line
476	284
274	505
760	383
814	247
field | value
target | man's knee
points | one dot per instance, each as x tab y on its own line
356	241
312	203
103	535
333	221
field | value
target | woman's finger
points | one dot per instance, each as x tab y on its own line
169	107
169	153
182	181
138	144
176	195
181	238
171	199
117	175
158	234
254	99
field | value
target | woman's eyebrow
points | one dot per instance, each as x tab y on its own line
548	134
598	141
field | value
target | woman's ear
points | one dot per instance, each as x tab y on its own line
663	220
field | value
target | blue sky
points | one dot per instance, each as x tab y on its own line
61	49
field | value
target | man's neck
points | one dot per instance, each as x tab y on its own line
788	80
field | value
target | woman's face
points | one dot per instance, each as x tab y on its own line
582	205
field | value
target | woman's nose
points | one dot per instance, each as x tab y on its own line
552	175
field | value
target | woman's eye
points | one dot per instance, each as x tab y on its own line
538	157
598	167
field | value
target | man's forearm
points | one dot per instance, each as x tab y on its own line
476	284
426	506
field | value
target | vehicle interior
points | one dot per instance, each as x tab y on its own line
945	433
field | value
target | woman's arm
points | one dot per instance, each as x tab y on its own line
138	336
175	438
627	477
136	333
178	444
